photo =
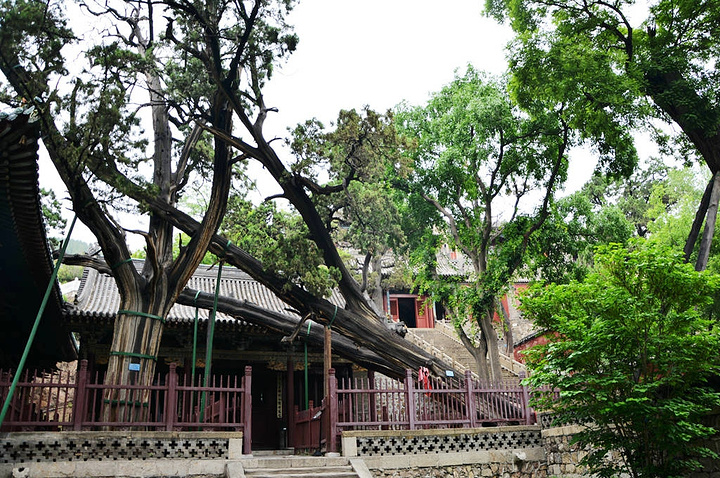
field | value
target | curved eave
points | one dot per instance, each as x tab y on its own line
25	264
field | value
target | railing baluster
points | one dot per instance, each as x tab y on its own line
170	402
410	397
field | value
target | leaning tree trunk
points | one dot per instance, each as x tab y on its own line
709	230
698	221
287	325
360	325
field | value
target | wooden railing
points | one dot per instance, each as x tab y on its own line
77	401
449	402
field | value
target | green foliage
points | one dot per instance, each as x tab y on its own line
130	66
362	156
182	241
280	240
672	205
484	175
657	203
54	222
477	159
606	210
631	349
68	273
621	66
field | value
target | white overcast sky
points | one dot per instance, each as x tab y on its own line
372	52
380	52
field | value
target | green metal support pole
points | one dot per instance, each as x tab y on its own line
194	353
307	401
210	336
29	343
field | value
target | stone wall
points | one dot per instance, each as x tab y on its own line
372	443
503	470
112	453
507	452
37	447
563	458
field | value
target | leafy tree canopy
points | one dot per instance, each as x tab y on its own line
281	240
657	202
361	154
633	346
618	66
156	96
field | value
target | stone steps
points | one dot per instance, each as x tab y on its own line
451	347
441	339
298	467
330	472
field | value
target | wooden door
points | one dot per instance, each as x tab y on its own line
423	313
394	311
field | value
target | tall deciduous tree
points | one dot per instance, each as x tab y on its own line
617	65
196	71
189	67
485	175
633	346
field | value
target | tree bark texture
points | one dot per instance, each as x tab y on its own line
479	353
377	293
709	230
698	221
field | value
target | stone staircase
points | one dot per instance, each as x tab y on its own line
298	467
443	343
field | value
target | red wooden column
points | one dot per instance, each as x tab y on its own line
80	394
332	412
171	400
247	410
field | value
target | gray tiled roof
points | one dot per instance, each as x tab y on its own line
460	266
98	295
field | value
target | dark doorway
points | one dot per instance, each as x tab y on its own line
265	423
406	311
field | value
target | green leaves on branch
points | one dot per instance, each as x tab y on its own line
478	158
485	173
281	241
630	351
350	172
